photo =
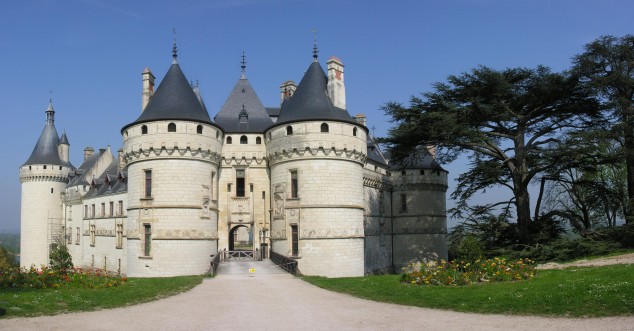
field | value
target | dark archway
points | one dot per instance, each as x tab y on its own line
239	240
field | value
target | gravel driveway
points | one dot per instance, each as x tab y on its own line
271	299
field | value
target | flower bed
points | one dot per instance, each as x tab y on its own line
50	278
459	272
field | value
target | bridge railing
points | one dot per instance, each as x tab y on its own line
286	263
240	255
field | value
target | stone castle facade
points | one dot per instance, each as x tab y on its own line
305	180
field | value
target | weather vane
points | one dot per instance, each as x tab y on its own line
315	50
174	49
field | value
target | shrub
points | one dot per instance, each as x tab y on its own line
50	278
60	258
460	272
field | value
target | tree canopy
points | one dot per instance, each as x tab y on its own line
506	120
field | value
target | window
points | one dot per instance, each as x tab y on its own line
403	173
144	129
119	230
93	235
120	207
199	129
243	140
258	141
229	140
294	186
422	172
217	134
85	211
229	187
294	240
77	238
211	187
111	208
148	183
147	247
403	203
103	209
324	127
44	166
289	130
51	190
92	210
354	132
171	127
239	182
69	236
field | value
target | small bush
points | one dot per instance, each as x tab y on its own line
60	259
460	272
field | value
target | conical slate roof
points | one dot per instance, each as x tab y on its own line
174	100
64	139
45	151
310	101
243	111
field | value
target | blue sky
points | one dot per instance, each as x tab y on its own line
90	54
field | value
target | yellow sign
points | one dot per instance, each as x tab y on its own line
252	270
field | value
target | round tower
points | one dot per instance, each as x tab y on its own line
43	177
316	153
419	210
172	153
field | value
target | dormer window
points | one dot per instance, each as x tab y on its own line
289	130
243	140
171	127
144	129
324	127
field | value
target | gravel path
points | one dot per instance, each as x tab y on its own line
618	259
271	299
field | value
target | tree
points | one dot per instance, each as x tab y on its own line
7	260
607	68
504	119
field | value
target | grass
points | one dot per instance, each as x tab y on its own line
571	292
35	302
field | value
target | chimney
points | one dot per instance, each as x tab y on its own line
88	151
360	118
148	87
431	149
336	85
288	89
121	159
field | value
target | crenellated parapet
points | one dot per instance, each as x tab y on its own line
285	155
44	173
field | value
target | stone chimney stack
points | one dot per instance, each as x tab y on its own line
360	118
287	90
336	85
88	152
121	159
148	87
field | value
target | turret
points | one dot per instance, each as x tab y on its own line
172	152
316	155
43	177
64	148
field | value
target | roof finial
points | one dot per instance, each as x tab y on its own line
315	50
50	113
174	48
243	65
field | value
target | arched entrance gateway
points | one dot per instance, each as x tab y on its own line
241	238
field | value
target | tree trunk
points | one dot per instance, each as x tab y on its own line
523	204
629	161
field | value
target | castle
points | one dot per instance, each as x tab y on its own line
305	180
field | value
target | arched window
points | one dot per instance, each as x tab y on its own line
243	140
199	129
229	140
354	132
258	140
144	129
324	127
289	130
171	127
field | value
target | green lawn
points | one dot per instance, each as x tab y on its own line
33	302
600	291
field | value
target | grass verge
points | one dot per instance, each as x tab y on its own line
571	292
35	302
